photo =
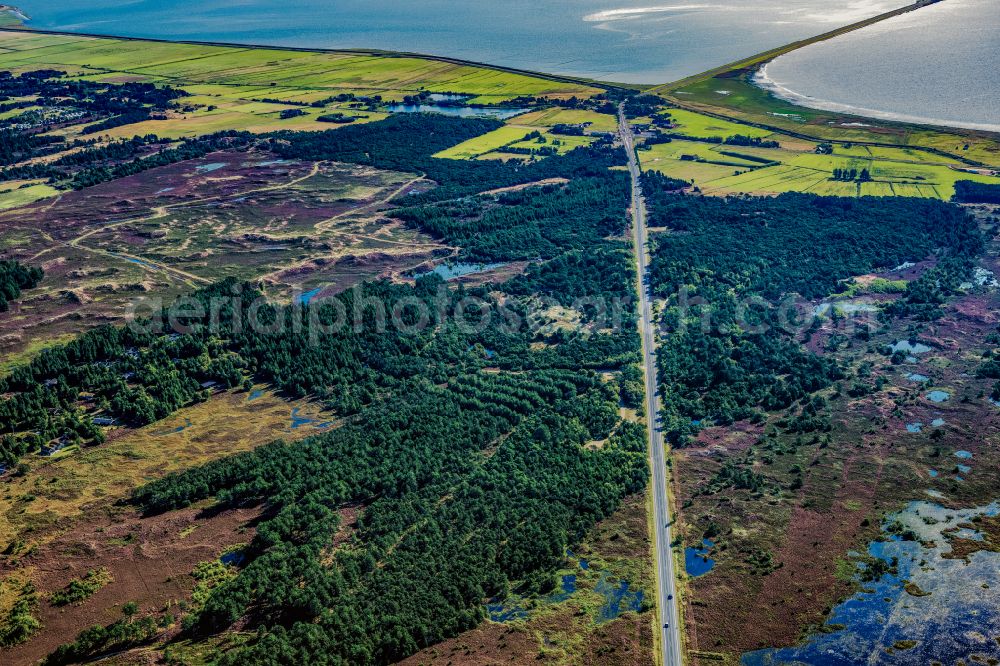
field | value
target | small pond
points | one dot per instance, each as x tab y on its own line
910	347
212	166
457	111
174	431
235	558
306	297
460	269
938	396
299	421
696	560
619	597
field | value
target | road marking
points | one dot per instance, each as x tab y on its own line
666	594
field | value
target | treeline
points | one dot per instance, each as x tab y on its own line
969	191
52	89
97	640
14	277
17	146
407	142
734	140
727	356
120	120
798	243
852	175
188	150
112	105
532	223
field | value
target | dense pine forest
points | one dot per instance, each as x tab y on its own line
15	277
729	349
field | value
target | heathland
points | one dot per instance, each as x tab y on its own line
382	398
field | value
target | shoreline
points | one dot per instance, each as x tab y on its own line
761	80
18	14
558	78
767	56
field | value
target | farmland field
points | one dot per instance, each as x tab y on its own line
732	95
796	165
247	89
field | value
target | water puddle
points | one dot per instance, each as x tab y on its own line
917	377
909	347
133	260
174	431
917	605
306	297
566	590
696	560
500	612
457	270
619	597
212	166
234	558
914	427
299	421
938	396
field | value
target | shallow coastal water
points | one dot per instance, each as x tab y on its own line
648	41
937	65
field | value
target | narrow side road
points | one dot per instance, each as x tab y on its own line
666	593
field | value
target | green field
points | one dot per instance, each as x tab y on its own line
700	126
598	122
894	171
246	86
22	196
486	143
492	144
732	95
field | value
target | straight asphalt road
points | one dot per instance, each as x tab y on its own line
666	597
